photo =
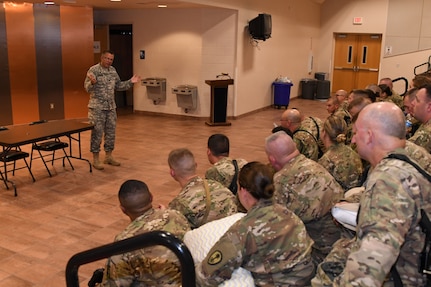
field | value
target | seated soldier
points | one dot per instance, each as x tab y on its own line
152	266
305	141
223	169
422	112
395	97
306	188
389	234
343	163
200	200
270	241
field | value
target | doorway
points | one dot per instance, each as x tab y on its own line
356	61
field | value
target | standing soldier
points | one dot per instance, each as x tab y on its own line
101	82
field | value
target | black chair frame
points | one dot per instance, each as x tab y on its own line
49	147
140	241
9	157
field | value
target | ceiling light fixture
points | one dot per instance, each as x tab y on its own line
49	3
115	0
162	6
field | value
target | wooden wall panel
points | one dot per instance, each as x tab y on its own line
77	54
5	95
101	34
49	61
22	61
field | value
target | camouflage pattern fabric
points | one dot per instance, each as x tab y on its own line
397	99
314	125
419	154
152	266
191	201
388	228
422	136
306	143
223	171
270	241
101	106
104	122
309	125
310	191
343	164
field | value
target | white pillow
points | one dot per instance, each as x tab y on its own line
202	239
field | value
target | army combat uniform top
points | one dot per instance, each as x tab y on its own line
422	136
223	171
344	164
102	93
388	228
270	241
310	191
306	143
152	266
192	201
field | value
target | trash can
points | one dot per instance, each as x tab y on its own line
323	90
281	93
308	88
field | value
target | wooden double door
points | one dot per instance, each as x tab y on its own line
356	61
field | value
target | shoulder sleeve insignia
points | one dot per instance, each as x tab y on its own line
215	258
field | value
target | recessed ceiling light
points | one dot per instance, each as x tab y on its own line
115	0
162	6
48	2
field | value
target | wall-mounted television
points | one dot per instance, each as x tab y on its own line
260	28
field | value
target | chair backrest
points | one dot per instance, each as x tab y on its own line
137	242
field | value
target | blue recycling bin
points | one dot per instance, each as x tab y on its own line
281	93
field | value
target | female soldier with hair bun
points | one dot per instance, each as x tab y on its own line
339	159
270	241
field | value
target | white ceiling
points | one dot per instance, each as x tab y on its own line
124	4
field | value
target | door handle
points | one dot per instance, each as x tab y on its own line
344	68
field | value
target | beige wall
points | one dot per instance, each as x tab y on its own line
189	46
337	16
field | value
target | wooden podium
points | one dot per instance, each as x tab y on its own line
218	102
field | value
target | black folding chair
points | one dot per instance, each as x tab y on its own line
48	149
137	242
9	157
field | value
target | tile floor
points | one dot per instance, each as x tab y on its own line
55	218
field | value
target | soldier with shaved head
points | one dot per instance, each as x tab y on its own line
306	188
388	231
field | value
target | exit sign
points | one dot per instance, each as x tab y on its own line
358	20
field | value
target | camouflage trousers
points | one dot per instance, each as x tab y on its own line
334	263
105	122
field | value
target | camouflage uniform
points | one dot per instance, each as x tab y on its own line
397	99
388	229
192	201
101	106
270	241
152	266
343	164
310	191
223	171
419	154
422	136
314	125
306	143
